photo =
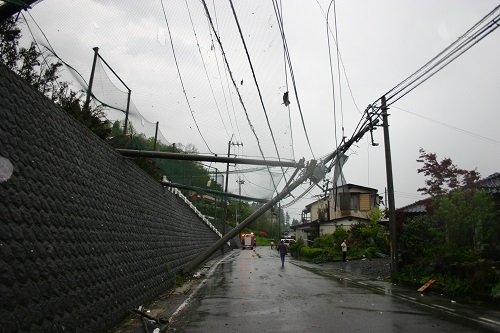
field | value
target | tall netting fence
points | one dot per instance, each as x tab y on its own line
117	101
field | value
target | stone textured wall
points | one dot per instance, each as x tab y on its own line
85	235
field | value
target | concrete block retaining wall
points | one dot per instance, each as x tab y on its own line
85	235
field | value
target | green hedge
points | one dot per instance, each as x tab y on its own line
307	252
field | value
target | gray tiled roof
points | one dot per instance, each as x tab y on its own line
491	184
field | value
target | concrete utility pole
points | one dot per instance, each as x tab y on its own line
226	203
390	189
240	182
207	158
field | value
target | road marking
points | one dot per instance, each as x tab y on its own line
188	300
490	321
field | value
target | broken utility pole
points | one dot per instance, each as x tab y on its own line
311	167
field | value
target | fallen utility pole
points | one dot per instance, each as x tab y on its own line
311	167
206	158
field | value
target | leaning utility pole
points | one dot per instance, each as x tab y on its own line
390	189
308	173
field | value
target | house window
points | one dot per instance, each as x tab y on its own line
349	201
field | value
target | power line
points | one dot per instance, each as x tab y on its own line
292	76
205	68
180	77
256	84
445	57
225	72
477	136
233	80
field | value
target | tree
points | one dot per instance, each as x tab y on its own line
43	76
9	42
468	216
443	176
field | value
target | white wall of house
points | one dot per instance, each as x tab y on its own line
329	227
299	234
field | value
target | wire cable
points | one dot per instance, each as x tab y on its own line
234	82
205	68
445	57
292	76
257	85
477	136
180	77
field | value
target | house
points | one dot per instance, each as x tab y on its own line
343	206
490	184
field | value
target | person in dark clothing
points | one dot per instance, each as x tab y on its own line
283	250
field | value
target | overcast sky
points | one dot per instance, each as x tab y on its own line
190	92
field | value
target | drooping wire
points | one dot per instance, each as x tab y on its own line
285	45
180	77
234	84
341	62
225	72
205	68
257	86
279	18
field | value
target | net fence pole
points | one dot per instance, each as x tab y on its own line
91	81
126	113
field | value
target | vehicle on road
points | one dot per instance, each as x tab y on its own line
248	241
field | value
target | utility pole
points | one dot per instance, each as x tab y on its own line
240	182
226	203
390	190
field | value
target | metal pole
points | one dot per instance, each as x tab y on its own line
91	81
390	189
156	135
215	197
249	220
279	220
126	113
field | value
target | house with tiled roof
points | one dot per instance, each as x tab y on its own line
490	184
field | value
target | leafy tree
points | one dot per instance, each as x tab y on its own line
443	176
43	76
9	42
422	239
468	217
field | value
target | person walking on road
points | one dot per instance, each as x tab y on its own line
283	250
344	250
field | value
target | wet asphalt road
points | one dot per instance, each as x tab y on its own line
249	291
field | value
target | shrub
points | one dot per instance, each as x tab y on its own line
311	253
371	252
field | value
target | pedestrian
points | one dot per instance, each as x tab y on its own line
272	244
344	250
283	250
